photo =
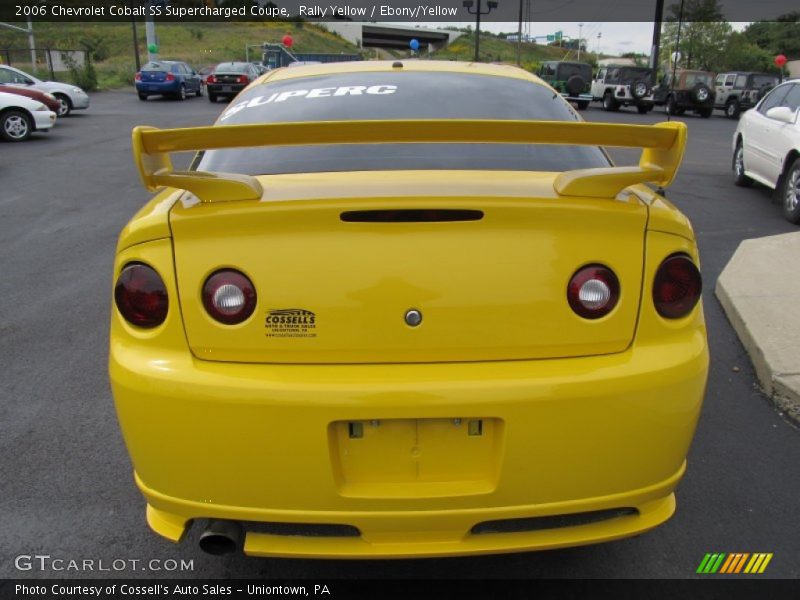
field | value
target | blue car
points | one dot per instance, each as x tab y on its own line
168	78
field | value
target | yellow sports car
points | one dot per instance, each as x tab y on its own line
407	309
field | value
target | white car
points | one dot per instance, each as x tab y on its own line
766	146
69	96
21	116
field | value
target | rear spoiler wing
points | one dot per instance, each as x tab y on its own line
662	146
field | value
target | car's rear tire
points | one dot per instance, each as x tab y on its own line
705	112
643	110
739	177
200	90
732	108
700	93
212	97
64	105
575	85
639	89
609	103
142	96
181	95
583	104
15	126
790	192
671	106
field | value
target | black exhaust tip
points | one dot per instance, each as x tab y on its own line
221	537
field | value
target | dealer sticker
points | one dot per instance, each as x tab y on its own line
290	322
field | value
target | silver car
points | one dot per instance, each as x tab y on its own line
70	97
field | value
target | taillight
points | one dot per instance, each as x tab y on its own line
243	79
170	77
211	79
141	296
593	291
138	77
229	296
676	287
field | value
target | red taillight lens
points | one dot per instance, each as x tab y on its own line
229	296
141	296
593	291
211	79
243	79
138	77
677	287
170	77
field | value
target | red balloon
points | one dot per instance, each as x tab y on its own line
780	60
287	41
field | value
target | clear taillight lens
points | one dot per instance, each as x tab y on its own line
141	296
593	291
677	287
229	296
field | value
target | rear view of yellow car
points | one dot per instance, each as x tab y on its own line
407	310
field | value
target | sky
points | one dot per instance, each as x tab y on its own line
615	38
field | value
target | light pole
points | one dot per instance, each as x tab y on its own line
135	39
490	5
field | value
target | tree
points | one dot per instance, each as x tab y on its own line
743	55
704	34
777	37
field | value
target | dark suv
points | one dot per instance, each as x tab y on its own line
739	90
689	90
573	80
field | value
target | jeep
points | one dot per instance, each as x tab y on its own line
739	90
619	85
573	80
688	90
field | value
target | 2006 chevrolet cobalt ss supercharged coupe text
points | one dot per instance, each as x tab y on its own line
407	310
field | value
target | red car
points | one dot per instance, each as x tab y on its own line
50	101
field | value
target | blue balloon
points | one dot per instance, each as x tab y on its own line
414	43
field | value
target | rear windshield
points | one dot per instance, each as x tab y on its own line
762	80
232	67
630	73
156	66
693	79
381	96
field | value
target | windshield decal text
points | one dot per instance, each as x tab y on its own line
326	92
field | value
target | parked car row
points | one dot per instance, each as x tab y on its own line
683	90
177	79
766	146
70	97
28	104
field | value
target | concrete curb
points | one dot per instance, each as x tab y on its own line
760	293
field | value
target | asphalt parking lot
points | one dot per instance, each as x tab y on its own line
67	486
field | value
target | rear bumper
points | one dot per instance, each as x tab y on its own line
425	534
587	97
156	88
225	89
259	443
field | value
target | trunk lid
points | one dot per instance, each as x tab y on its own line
154	76
336	291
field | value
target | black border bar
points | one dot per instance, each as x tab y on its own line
413	11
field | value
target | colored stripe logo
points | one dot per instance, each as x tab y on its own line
733	563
